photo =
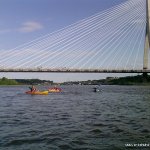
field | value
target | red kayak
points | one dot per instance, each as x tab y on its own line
55	90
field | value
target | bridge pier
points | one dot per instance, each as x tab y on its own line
146	50
147	37
147	41
145	76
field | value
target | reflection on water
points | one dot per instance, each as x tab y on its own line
76	119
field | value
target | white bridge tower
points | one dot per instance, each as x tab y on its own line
147	36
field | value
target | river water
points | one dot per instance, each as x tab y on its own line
76	119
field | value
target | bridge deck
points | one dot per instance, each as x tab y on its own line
74	70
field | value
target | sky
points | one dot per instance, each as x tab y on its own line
25	20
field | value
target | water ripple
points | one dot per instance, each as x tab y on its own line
76	119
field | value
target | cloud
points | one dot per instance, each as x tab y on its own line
30	26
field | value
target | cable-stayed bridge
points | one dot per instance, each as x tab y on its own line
114	40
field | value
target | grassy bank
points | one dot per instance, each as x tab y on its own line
5	81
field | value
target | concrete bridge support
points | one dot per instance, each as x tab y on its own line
147	38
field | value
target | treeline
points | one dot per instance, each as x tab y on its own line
129	80
33	81
5	81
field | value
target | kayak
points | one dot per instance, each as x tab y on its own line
54	90
37	92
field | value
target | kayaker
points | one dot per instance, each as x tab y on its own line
96	89
56	88
33	88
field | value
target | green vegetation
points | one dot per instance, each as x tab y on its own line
33	81
130	80
5	81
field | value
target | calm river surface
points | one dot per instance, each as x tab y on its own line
76	119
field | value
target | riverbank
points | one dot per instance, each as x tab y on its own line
5	81
129	80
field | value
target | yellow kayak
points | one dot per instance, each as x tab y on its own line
37	92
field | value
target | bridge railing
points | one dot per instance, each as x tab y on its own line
72	70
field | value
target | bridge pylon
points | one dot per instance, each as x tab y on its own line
147	36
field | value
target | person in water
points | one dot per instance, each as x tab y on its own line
33	88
